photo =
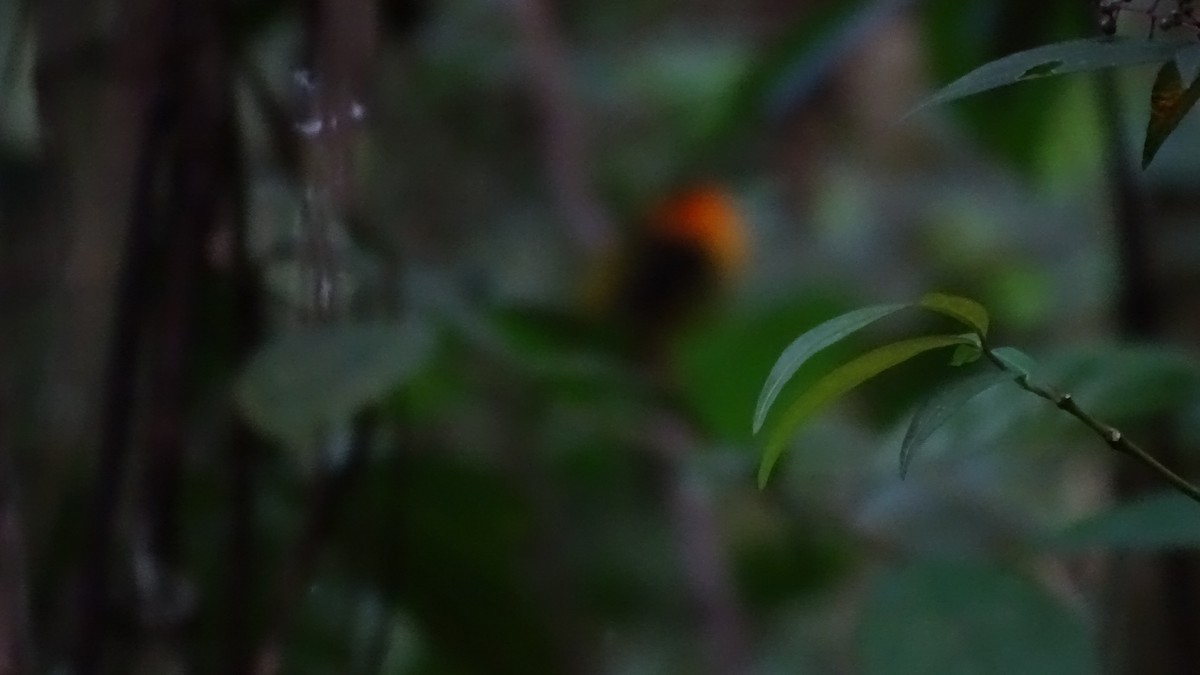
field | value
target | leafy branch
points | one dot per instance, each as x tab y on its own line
1176	88
1110	434
1012	364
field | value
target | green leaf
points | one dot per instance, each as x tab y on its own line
969	312
305	381
1017	361
808	344
721	364
839	382
1163	521
1188	62
965	354
1016	125
939	407
1074	56
1170	102
964	617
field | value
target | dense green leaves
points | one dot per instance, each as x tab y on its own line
841	381
854	373
1074	56
969	312
988	621
515	514
305	381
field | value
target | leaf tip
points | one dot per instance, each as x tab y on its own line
964	310
760	416
1148	157
765	467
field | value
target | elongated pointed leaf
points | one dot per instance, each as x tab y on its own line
839	382
306	381
1074	56
939	407
970	313
1170	101
808	344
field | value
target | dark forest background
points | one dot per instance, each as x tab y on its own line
296	373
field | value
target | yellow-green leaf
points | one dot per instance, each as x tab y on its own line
808	344
965	354
839	382
969	312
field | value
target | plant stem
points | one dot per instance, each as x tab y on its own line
1111	435
564	135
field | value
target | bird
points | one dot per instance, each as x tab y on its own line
685	252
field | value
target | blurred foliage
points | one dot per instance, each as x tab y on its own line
512	514
986	620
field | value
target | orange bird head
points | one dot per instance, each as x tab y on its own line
704	216
687	250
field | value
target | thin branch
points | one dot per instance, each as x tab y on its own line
16	654
325	503
243	447
277	121
124	349
191	215
564	139
1110	434
555	581
341	41
722	625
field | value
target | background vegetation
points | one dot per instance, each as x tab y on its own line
297	377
